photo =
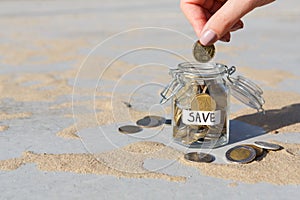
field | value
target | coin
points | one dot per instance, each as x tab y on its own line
267	145
203	102
159	118
199	157
259	151
202	53
177	114
179	132
198	133
188	140
130	129
150	121
241	154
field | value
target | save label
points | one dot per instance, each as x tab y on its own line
193	117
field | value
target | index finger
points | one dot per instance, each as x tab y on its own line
199	11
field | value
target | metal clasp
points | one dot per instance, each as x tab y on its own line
171	89
230	70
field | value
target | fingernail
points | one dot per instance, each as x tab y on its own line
208	37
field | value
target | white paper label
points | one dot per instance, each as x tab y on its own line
193	117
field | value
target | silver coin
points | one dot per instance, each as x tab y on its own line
130	129
267	145
241	154
202	53
199	157
159	118
151	121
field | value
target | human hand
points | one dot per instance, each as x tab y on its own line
213	20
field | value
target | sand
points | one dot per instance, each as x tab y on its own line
9	116
102	163
3	128
277	167
282	115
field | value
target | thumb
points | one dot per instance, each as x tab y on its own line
224	19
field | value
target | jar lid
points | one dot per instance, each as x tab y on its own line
247	92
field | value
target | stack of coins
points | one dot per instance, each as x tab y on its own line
246	153
199	99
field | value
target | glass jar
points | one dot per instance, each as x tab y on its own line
200	94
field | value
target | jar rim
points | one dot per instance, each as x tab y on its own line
202	69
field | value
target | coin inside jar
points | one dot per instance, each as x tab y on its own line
130	129
241	154
202	53
203	102
199	157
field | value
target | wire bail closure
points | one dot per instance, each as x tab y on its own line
171	89
242	88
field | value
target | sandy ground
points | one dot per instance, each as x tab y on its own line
67	67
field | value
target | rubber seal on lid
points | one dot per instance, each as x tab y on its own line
247	92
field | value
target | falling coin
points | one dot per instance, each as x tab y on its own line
203	102
267	145
150	121
199	157
130	129
202	53
241	154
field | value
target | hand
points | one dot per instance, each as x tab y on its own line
213	20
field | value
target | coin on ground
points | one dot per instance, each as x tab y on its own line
259	151
203	102
267	145
150	121
199	157
159	118
202	53
130	129
241	154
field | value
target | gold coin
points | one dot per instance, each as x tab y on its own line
177	114
203	102
198	133
202	53
188	140
179	132
241	154
259	151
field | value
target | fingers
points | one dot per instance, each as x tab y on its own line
226	37
196	15
237	26
213	20
225	19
